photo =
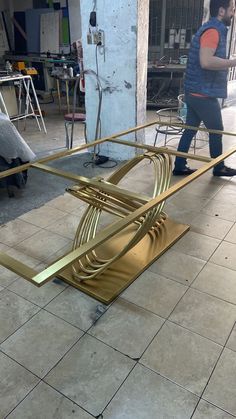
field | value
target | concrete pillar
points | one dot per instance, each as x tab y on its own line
122	69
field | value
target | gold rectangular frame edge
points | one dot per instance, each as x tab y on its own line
58	266
113	138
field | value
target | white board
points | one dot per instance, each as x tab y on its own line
75	20
50	32
3	37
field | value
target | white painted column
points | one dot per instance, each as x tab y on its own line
122	71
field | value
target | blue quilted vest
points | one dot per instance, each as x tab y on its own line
211	83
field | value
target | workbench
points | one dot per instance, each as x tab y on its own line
166	75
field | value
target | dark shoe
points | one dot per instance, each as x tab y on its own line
225	171
184	172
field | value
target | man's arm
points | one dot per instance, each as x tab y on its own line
209	62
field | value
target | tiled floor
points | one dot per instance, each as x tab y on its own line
166	348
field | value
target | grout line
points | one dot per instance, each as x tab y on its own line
213	370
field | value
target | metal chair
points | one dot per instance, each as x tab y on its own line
170	116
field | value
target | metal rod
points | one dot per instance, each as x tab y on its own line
163	28
115	136
106	233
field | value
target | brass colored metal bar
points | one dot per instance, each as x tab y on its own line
18	267
112	137
190	127
50	158
103	200
74	150
114	210
165	150
104	204
103	186
115	228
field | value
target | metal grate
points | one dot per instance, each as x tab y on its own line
183	18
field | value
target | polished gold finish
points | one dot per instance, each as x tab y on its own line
115	137
92	264
118	276
102	263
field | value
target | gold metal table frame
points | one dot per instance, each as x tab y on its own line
103	263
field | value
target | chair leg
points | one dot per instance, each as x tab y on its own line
194	144
67	135
85	132
155	139
165	141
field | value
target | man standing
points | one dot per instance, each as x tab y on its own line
205	82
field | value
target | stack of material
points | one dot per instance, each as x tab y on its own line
13	152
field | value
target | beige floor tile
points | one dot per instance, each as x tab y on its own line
23	257
197	245
90	374
217	281
231	344
4	247
127	328
14	312
203	188
43	216
224	210
79	211
76	308
46	403
225	255
16	382
221	388
39	296
7	277
180	215
211	226
188	266
206	315
226	195
59	253
207	411
155	293
147	395
189	201
231	236
16	231
66	226
66	202
42	244
182	356
41	343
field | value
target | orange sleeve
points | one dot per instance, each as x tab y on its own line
210	39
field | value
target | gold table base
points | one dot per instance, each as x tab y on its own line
109	284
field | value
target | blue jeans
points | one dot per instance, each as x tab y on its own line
206	110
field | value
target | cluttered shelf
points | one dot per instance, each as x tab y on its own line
164	84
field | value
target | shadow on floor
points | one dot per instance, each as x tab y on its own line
42	187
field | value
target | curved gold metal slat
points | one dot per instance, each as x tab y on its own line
93	265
